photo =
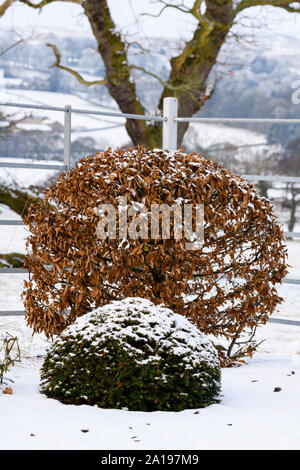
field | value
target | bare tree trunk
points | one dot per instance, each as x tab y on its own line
120	85
191	68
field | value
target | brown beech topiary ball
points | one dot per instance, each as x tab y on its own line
226	287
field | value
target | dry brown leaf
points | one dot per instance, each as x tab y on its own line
98	270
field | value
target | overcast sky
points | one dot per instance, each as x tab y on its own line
69	16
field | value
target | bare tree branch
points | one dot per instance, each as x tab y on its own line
199	56
181	7
17	42
8	3
120	84
73	72
11	46
43	3
194	10
186	87
285	4
5	6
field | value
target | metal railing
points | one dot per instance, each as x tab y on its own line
169	120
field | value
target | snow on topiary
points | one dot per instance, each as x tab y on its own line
132	354
227	287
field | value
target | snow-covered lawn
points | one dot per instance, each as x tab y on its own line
250	416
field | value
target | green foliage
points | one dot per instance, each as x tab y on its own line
130	361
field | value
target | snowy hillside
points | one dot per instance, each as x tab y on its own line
42	135
103	130
23	178
107	131
251	80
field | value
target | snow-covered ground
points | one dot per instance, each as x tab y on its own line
250	416
208	134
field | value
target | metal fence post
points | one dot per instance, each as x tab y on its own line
67	136
170	106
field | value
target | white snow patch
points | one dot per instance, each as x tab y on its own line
250	415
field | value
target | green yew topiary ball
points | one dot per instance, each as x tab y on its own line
132	354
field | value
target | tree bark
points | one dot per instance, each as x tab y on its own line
119	82
191	68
